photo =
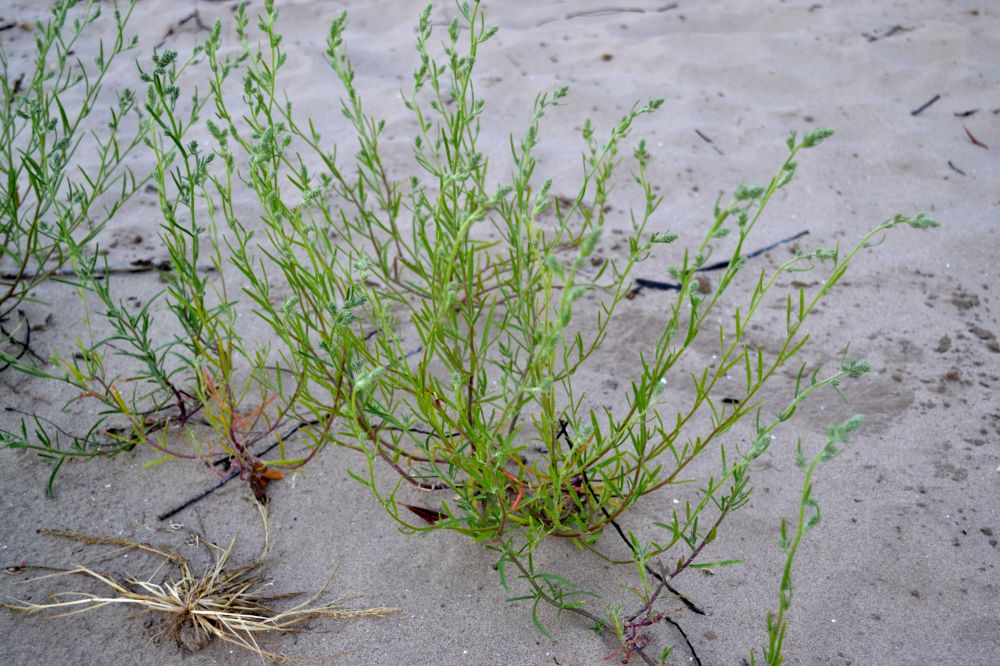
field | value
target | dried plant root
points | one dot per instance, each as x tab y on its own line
225	602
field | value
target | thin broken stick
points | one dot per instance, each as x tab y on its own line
68	272
644	283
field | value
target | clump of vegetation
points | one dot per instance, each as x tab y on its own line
157	384
442	324
51	202
226	602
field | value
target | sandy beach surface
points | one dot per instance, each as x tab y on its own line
903	568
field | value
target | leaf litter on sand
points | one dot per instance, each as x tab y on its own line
225	602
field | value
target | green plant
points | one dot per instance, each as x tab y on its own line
50	200
777	624
156	392
442	325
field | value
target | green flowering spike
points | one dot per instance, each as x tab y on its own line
855	368
556	268
920	221
368	378
565	314
744	193
816	137
663	237
589	242
825	254
841	432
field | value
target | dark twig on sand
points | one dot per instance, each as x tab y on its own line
926	105
973	139
704	137
140	266
687	641
955	168
662	578
174	29
608	11
690	605
878	35
200	496
234	473
644	283
22	346
564	435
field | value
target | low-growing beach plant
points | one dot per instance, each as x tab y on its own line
50	233
808	518
51	199
444	323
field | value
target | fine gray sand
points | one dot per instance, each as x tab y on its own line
904	567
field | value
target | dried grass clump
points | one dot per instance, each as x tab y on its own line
225	602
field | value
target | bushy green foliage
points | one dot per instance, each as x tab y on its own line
441	326
50	202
